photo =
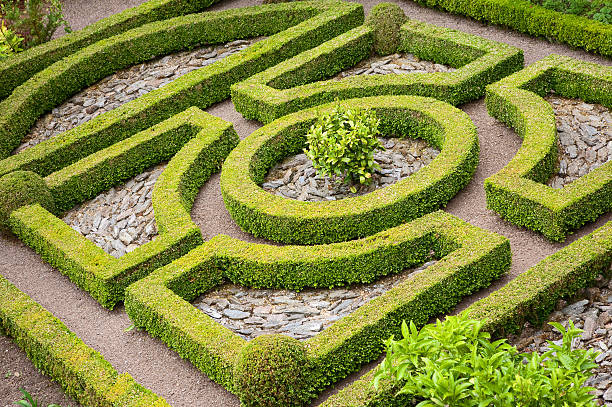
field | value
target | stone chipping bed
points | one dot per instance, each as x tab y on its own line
393	64
592	312
296	177
301	315
585	138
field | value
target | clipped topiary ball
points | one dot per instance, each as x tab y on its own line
270	372
386	19
21	188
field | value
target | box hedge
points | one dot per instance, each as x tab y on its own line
518	192
470	259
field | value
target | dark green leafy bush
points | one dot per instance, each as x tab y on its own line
10	42
454	363
342	143
21	188
386	19
270	372
600	10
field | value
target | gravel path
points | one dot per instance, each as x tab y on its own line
150	361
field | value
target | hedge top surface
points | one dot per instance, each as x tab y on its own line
517	101
291	85
292	27
280	219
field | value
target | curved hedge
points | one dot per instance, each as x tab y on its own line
524	16
287	88
21	67
529	297
291	221
470	259
518	192
81	371
200	141
293	27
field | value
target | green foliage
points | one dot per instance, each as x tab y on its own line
271	371
342	143
455	363
28	401
10	42
386	20
37	22
21	188
600	10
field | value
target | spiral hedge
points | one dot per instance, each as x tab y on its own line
518	192
290	221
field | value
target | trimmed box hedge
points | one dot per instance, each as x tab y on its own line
470	259
200	141
82	372
292	27
529	297
297	222
526	17
287	88
518	192
21	67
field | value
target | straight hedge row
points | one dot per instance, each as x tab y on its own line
292	27
518	192
290	221
524	16
23	66
81	371
470	259
287	88
201	143
529	297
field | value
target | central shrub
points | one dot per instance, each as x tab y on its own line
342	143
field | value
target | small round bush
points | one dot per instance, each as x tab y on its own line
21	188
342	143
386	19
270	372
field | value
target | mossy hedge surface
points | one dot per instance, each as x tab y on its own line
196	144
296	222
81	371
291	27
518	192
529	297
292	85
470	259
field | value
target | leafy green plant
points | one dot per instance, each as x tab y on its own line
10	42
35	20
601	10
342	143
454	363
28	401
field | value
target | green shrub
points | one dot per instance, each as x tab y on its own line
386	20
21	188
10	42
37	21
455	363
342	143
270	372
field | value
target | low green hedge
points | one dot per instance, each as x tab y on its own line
291	221
23	66
287	87
529	297
470	259
81	371
292	27
526	17
518	192
200	141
